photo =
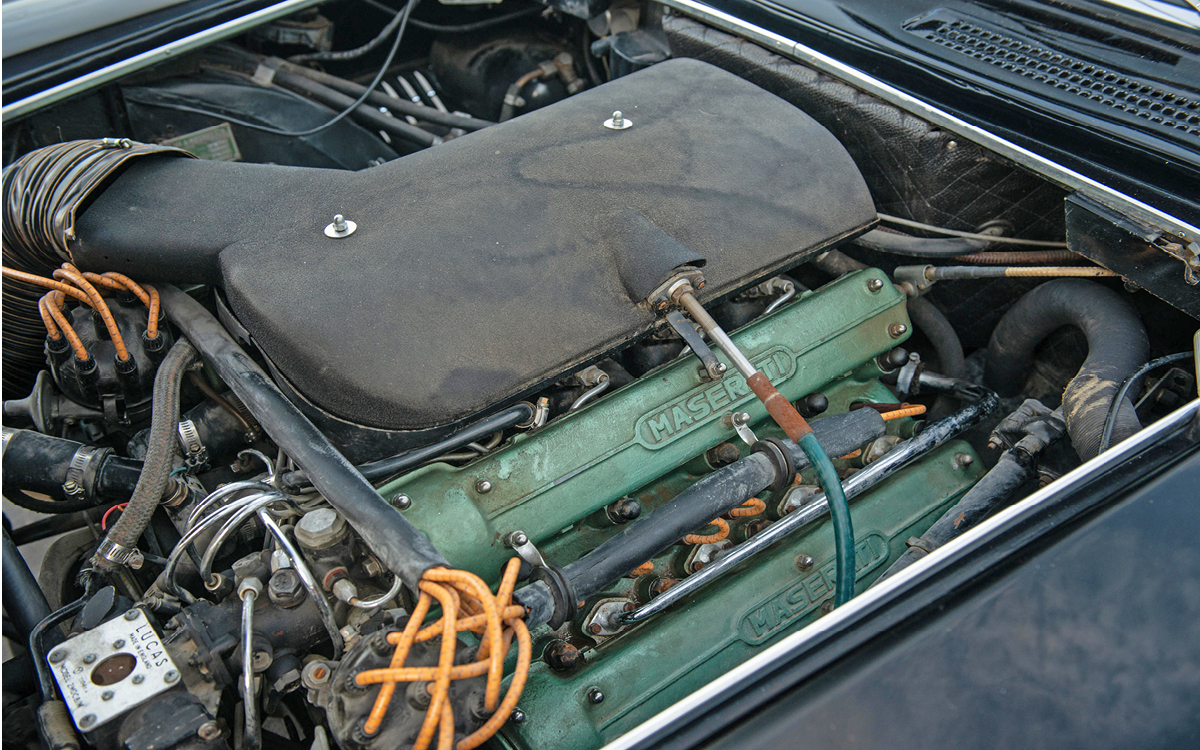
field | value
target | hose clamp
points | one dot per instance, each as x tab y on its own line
119	554
195	454
80	472
781	457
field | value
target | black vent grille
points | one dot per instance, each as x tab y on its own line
1163	108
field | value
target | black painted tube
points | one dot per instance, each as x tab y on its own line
985	498
384	468
364	114
397	106
712	496
24	601
905	244
44	528
1117	347
404	550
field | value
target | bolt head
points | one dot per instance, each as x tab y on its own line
517	716
595	696
963	460
107	695
518	538
58	656
209	730
805	562
595	628
827	606
483	486
874	285
403	502
896	330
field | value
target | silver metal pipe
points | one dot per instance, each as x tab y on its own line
591	394
379	601
310	583
252	735
931	437
223	492
788	295
716	334
245	510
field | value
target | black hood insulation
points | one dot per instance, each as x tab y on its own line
488	267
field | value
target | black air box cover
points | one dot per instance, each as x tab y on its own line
485	267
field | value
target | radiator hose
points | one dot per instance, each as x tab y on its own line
1117	347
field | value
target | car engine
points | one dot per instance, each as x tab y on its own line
575	364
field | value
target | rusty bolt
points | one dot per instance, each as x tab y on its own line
595	628
660	586
827	606
805	562
722	455
698	565
561	656
896	330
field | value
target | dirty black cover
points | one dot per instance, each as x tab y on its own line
484	268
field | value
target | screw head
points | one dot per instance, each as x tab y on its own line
89	658
171	676
107	695
131	615
896	330
402	501
138	679
118	644
517	716
58	656
963	460
874	285
70	485
208	731
805	562
483	486
87	721
595	696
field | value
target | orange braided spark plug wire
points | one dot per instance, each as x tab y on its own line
748	509
51	327
72	274
54	303
719	535
493	617
908	411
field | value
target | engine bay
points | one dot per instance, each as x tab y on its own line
505	376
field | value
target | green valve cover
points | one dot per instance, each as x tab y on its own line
647	441
581	462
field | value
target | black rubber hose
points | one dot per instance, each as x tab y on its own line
994	490
37	647
399	106
386	467
919	247
710	497
24	602
1117	347
44	528
364	114
404	550
930	321
34	462
161	450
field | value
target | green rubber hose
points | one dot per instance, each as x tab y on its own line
839	508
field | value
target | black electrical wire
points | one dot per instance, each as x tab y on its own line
36	650
464	28
402	17
1110	422
357	52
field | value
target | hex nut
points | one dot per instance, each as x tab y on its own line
402	501
517	716
595	696
874	285
285	588
483	486
209	731
896	330
805	562
320	528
